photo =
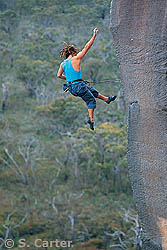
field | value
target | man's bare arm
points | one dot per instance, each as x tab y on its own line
60	73
88	45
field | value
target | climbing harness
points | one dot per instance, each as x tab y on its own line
65	85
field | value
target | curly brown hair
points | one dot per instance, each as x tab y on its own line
68	50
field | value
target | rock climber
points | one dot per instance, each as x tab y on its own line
70	70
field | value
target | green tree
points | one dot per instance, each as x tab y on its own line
8	21
33	73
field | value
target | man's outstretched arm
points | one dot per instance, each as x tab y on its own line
88	45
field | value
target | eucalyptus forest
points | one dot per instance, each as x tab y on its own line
58	179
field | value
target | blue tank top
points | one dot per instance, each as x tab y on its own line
70	73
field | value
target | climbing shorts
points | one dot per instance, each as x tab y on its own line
88	94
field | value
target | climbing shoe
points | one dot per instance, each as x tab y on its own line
111	99
91	124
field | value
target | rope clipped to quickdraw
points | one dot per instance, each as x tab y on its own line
107	80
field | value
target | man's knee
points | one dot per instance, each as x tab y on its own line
94	91
91	103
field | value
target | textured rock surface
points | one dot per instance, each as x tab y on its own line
139	29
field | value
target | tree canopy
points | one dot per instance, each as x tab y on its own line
58	177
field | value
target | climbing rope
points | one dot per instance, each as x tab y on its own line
102	81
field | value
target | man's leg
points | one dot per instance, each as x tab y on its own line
91	112
105	98
90	121
90	100
102	97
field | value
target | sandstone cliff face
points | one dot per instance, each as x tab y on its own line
139	30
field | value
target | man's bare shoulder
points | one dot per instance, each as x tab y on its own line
76	57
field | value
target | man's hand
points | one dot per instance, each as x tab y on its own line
95	31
